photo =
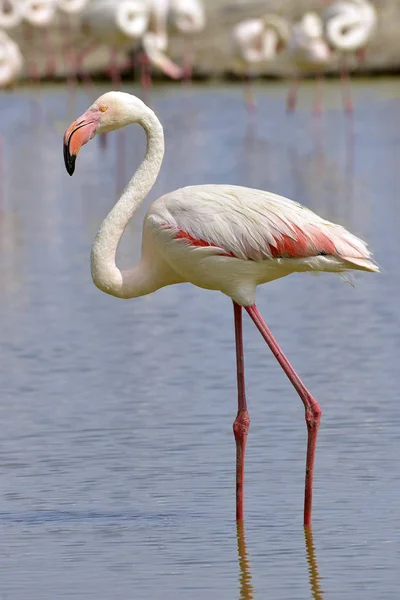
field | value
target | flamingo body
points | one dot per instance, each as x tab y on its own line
232	239
10	13
349	24
11	60
187	16
72	7
257	41
38	13
307	47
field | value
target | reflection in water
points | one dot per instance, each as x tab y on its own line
313	573
246	587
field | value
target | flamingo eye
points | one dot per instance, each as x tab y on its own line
103	108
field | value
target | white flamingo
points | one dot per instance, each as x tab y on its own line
256	42
10	13
218	237
11	61
155	43
39	14
187	18
121	24
309	53
71	8
349	26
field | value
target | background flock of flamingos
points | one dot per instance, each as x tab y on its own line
140	28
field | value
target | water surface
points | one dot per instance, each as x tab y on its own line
117	454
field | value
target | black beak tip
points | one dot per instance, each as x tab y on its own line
69	160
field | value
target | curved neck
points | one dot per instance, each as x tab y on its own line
105	273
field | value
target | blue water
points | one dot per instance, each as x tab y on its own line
116	446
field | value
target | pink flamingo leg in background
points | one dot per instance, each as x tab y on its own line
188	59
51	65
249	93
312	408
291	101
242	422
345	83
319	92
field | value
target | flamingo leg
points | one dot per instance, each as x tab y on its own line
319	91
345	83
51	64
145	77
313	410
242	421
188	59
114	70
249	92
291	101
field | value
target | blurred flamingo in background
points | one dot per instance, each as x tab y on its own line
38	15
70	9
11	61
256	42
10	13
125	23
155	44
187	18
349	26
119	24
309	53
218	237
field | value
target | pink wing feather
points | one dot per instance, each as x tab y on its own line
255	225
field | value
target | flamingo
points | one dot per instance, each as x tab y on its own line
155	43
188	18
218	237
257	41
349	26
10	13
11	60
122	23
39	14
309	52
70	8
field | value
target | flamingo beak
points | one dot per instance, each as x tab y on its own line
166	65
77	135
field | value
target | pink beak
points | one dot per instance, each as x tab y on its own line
79	133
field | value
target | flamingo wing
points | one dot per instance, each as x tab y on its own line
254	225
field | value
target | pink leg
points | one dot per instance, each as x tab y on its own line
345	83
51	65
145	75
319	88
291	101
187	59
114	70
312	408
249	93
242	422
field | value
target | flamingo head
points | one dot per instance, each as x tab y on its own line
109	112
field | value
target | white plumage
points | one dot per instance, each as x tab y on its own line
256	41
11	60
307	47
349	24
10	14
